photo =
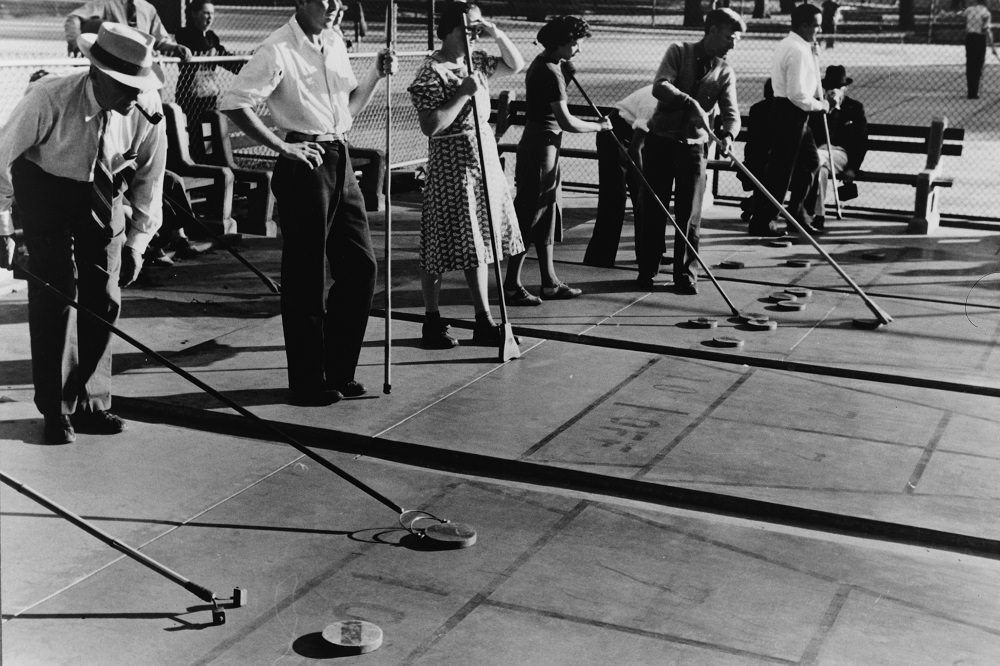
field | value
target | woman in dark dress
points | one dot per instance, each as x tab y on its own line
198	87
537	177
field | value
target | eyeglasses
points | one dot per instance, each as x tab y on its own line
475	31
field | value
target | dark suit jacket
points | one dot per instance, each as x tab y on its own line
849	128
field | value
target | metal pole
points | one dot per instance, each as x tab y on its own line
201	592
390	45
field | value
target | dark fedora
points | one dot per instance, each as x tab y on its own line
836	77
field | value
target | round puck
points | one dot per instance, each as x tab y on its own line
762	324
703	322
754	315
799	263
730	263
799	292
873	256
782	296
728	341
792	305
354	636
455	535
780	242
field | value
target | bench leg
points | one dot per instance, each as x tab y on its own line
926	210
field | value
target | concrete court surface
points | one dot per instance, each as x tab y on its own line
641	496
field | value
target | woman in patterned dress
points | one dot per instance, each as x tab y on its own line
536	176
454	227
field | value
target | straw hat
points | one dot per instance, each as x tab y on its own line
124	54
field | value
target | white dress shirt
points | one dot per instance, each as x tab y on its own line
307	86
637	108
977	19
56	125
795	73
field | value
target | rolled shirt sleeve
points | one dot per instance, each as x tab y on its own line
28	123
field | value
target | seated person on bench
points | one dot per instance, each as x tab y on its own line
849	133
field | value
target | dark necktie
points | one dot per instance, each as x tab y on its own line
130	14
102	193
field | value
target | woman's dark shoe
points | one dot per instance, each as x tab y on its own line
560	292
434	334
520	296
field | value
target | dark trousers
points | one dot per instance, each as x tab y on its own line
793	153
672	167
70	355
323	224
975	58
616	181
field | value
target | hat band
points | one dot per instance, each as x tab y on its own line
120	65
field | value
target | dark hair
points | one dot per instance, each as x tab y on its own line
562	30
768	89
193	6
803	14
725	17
451	17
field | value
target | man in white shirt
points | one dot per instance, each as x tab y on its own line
797	93
138	14
64	133
303	74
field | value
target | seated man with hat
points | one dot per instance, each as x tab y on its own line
63	155
848	141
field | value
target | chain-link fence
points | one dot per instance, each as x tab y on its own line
902	77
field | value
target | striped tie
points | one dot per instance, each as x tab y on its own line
102	194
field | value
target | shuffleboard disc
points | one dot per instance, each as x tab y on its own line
873	255
799	263
354	636
781	296
745	317
780	242
703	322
728	341
731	263
456	535
762	324
791	305
799	292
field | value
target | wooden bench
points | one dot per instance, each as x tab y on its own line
932	142
209	187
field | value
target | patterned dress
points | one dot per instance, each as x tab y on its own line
454	227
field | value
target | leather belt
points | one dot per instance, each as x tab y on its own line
299	137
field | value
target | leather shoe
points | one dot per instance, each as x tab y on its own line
351	389
59	429
686	287
99	422
489	333
434	335
320	397
643	282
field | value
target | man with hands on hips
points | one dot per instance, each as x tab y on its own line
303	74
63	155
